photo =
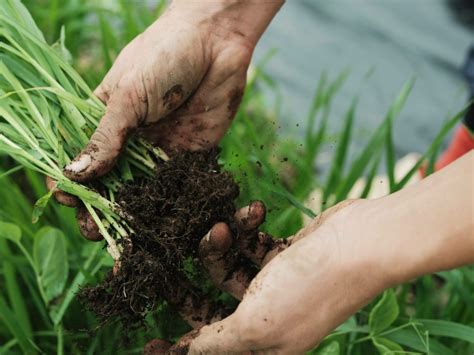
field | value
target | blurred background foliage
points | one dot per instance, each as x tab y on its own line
431	315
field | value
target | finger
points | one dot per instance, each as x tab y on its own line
62	197
102	94
250	217
122	117
156	347
87	225
225	269
224	337
253	244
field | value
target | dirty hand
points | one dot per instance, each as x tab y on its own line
292	270
322	267
179	83
338	263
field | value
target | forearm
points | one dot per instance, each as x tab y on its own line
242	18
426	227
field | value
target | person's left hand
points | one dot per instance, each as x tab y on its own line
309	283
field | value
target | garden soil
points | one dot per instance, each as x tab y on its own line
170	213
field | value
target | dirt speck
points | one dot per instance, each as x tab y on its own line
173	97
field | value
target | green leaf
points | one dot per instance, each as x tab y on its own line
10	171
60	47
448	329
410	338
13	288
10	231
384	313
333	348
387	347
437	141
393	112
15	328
40	205
50	258
339	159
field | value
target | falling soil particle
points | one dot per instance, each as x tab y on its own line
171	213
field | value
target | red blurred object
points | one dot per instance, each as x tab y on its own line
462	142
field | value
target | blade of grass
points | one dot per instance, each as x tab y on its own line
14	293
374	144
448	329
10	320
393	112
338	161
447	127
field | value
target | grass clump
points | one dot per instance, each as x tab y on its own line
151	210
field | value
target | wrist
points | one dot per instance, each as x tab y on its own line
243	21
424	228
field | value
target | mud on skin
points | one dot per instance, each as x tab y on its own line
171	213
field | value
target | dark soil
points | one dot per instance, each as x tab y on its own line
171	213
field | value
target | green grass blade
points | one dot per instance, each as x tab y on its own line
447	127
374	144
392	114
337	166
13	291
448	329
410	338
371	175
11	322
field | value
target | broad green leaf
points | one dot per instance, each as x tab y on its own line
333	348
50	258
387	347
384	313
10	231
40	205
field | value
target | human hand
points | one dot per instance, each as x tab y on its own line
178	84
343	259
323	267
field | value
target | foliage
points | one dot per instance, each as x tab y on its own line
38	312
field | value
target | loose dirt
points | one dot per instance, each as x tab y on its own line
171	213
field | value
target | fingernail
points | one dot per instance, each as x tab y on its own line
80	164
207	237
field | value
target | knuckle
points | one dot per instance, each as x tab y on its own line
105	140
132	95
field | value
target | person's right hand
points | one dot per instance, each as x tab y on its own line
314	269
179	84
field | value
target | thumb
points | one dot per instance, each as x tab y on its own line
102	151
